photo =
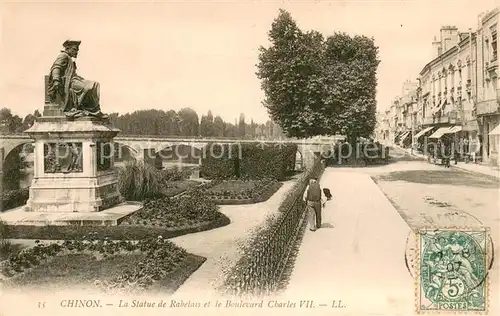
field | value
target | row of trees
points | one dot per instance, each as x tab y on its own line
185	122
316	85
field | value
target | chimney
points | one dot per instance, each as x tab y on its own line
449	37
436	47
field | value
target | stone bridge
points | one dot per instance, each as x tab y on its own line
146	147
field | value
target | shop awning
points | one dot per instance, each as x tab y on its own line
454	129
440	132
495	131
422	132
404	136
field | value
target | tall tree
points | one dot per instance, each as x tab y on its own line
315	86
219	127
241	126
189	123
230	130
207	125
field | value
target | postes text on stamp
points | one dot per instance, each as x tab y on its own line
452	270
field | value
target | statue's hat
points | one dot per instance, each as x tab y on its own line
70	43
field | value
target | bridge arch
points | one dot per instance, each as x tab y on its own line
8	145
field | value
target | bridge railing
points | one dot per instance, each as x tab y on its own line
23	135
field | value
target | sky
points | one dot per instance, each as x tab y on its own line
202	54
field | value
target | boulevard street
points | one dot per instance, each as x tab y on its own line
359	253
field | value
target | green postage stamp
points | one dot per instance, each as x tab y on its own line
452	271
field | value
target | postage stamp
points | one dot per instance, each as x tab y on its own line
452	271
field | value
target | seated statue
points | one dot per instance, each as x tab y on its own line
78	96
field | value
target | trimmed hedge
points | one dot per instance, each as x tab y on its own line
248	161
265	257
267	160
219	161
14	198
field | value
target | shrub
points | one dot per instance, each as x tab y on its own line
176	174
220	161
248	161
6	247
174	212
14	198
267	160
139	181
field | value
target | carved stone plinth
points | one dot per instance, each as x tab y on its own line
73	169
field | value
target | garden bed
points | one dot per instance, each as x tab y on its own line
169	217
123	231
174	188
236	192
102	265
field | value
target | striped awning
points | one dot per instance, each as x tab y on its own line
440	132
454	129
405	135
422	132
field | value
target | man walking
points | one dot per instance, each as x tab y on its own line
314	201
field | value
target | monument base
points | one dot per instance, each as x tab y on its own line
110	217
70	194
74	165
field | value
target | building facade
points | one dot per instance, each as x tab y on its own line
457	89
486	85
445	94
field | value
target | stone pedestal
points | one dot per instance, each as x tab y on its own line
73	167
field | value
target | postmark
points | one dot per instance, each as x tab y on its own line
452	270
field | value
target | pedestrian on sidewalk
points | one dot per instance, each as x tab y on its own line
314	202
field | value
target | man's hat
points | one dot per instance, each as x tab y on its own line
70	43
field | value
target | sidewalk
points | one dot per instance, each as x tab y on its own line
472	167
358	254
478	168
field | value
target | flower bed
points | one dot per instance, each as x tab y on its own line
169	217
130	266
175	212
227	192
173	188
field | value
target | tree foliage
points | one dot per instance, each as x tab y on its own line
160	123
316	86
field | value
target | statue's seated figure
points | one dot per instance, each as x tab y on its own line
77	96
